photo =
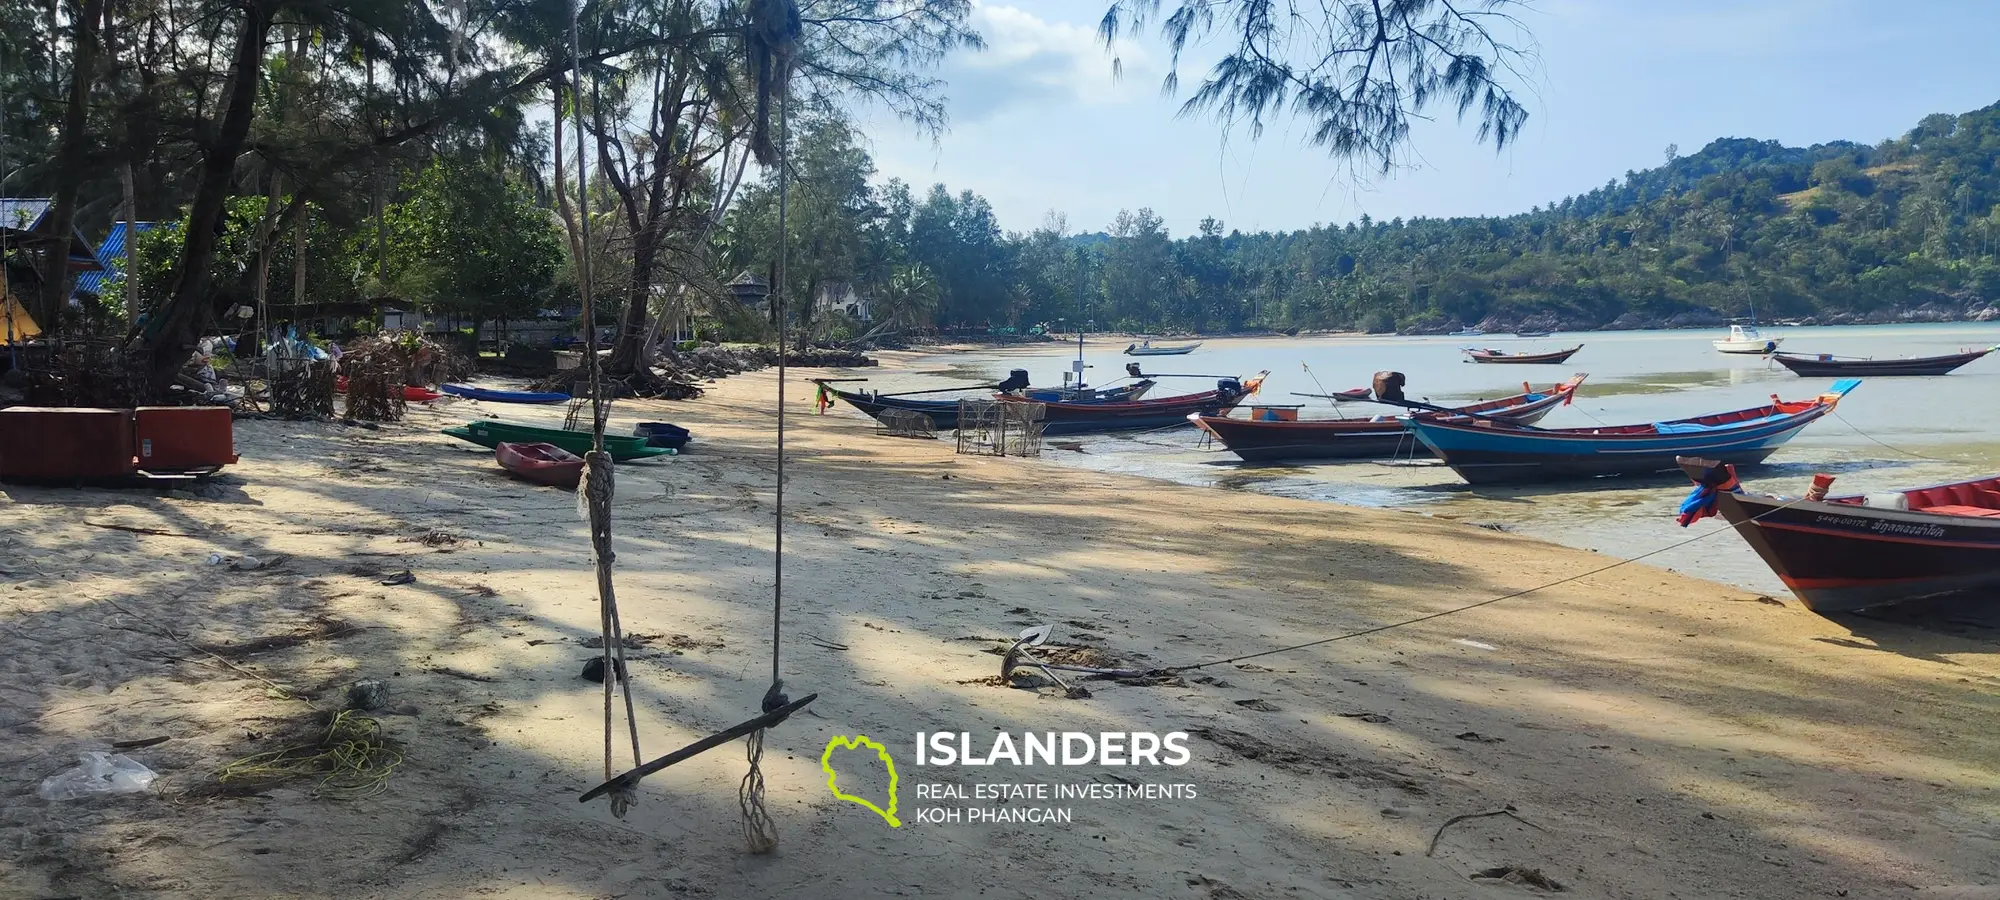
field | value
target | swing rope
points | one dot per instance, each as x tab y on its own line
598	478
759	829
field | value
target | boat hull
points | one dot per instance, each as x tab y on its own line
1755	348
1169	350
944	413
1141	415
540	463
478	393
1065	417
492	434
1838	557
1813	367
1272	442
1524	359
1498	455
1288	441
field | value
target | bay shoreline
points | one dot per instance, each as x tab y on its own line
1649	733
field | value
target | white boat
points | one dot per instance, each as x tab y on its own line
1147	349
1466	332
1745	339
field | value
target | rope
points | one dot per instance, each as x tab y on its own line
598	478
351	756
760	832
1470	606
1850	425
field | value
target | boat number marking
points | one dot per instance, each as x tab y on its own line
1882	526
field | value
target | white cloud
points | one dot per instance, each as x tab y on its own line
1032	61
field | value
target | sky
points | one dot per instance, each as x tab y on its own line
1039	123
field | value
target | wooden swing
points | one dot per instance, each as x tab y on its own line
770	37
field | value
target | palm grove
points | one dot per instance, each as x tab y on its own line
321	153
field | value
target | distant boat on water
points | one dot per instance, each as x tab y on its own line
1533	334
1146	348
1746	339
1552	357
1467	332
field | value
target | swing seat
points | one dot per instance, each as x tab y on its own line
741	729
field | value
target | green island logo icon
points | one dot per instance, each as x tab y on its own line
857	742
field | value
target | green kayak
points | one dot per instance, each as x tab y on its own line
489	434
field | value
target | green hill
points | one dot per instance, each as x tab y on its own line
1841	232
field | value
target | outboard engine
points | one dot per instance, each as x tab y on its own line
1016	380
1132	369
1389	385
1229	385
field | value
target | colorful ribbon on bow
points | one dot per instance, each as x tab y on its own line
1700	503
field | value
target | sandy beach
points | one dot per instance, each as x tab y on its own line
1646	734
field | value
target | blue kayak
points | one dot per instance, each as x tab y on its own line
477	393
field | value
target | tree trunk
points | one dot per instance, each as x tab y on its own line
265	232
179	322
70	163
627	346
131	291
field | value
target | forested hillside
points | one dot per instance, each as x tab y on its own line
1838	232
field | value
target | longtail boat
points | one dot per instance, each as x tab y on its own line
943	414
1275	434
1486	452
1860	551
1140	415
1552	358
1827	364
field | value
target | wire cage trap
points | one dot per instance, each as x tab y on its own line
1000	427
905	423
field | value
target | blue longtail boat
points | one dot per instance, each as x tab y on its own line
1487	452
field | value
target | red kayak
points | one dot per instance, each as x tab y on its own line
540	463
411	392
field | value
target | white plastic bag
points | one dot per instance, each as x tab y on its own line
97	772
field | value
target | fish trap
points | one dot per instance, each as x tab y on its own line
905	423
1000	427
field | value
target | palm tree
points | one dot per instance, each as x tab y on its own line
909	299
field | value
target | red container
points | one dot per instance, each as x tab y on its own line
37	443
170	438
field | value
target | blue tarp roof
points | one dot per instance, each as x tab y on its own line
22	218
112	253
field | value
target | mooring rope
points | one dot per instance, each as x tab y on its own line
1170	670
1843	420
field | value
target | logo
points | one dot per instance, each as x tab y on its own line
857	742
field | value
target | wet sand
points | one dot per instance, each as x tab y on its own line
1652	735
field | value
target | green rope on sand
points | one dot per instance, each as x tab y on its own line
351	759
